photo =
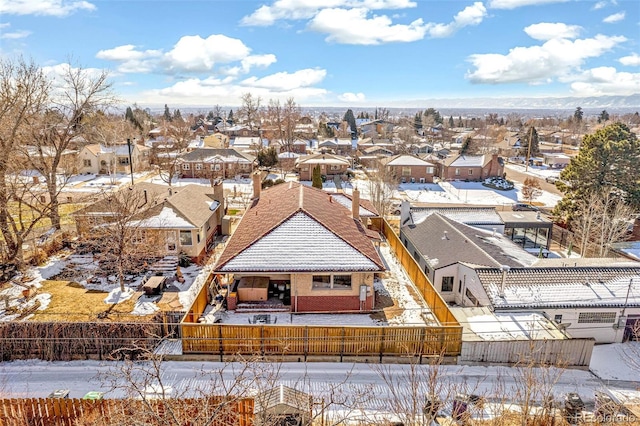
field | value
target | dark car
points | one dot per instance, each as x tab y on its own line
523	207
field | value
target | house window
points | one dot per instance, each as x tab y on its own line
185	238
470	172
426	270
87	163
447	283
596	317
321	281
340	282
123	161
557	319
335	167
471	297
457	172
186	166
429	170
217	167
406	171
416	256
198	166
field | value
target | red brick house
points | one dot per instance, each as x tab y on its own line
471	167
299	242
330	165
410	168
211	163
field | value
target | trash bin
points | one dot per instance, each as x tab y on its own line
460	406
93	396
60	394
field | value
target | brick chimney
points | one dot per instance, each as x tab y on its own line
257	185
355	204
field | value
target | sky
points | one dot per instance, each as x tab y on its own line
333	52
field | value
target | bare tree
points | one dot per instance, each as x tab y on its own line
120	239
601	219
531	189
382	182
250	109
23	96
176	138
78	94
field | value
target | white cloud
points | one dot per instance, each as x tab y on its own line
616	17
605	81
547	31
59	8
284	81
539	64
14	35
470	15
196	91
599	5
352	97
513	4
307	9
354	27
4	25
632	60
191	54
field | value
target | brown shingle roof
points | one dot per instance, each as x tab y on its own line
280	202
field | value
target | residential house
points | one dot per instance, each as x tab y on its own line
249	144
172	220
486	218
471	167
409	168
440	244
107	159
300	146
298	243
370	157
600	302
330	165
211	163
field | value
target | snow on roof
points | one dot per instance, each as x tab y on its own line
167	218
467	215
562	287
347	202
468	161
288	154
300	244
408	160
481	324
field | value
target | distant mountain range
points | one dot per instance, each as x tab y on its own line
629	103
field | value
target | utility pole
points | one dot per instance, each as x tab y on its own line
130	161
526	166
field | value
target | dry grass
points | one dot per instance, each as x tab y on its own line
72	302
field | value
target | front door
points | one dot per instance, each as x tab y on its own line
172	242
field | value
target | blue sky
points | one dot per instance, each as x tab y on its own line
334	52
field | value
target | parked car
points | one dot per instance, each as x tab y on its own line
523	207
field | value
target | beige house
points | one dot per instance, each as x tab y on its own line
172	220
103	159
330	165
471	167
298	246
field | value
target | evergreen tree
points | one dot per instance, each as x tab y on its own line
603	117
177	115
230	117
267	157
351	121
167	113
210	116
417	121
578	114
609	159
316	177
531	137
451	123
460	122
464	149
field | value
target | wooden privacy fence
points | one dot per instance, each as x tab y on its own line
68	412
567	353
438	306
221	339
343	341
